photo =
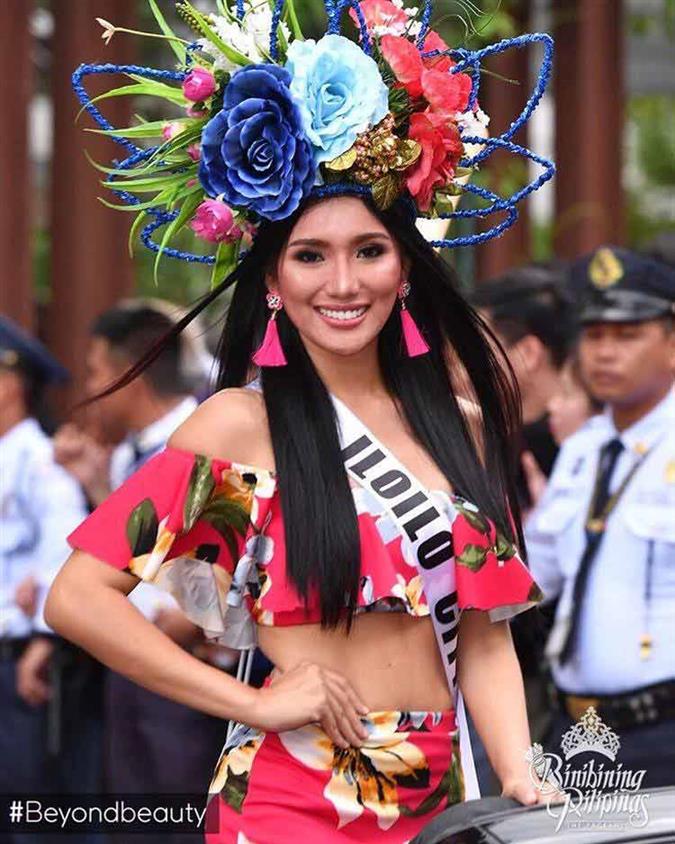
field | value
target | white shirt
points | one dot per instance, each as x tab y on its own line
146	597
40	504
636	555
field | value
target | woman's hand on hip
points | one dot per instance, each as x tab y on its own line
309	693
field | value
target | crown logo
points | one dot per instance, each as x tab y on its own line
590	734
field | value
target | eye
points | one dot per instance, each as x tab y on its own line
373	250
307	256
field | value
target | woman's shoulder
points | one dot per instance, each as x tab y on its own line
230	425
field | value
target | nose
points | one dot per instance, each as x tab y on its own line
342	279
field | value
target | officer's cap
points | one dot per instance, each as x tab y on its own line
20	351
616	285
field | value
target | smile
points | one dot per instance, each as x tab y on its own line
342	315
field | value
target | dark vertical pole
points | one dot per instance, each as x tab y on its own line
589	90
16	208
90	265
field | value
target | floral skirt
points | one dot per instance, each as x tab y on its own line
297	786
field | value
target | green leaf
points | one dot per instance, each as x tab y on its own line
133	231
503	548
143	88
226	261
205	29
161	89
145	130
535	593
142	526
174	227
178	49
292	18
473	557
475	519
200	488
431	801
223	512
149	184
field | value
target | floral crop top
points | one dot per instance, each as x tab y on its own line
211	532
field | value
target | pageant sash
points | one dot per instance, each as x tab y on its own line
429	531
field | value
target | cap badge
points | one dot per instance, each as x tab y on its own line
605	269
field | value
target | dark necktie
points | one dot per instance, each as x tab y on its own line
141	455
595	530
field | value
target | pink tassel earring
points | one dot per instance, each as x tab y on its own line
414	342
270	352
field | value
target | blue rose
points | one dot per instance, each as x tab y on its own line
340	92
254	151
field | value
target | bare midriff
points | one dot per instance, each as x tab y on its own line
390	658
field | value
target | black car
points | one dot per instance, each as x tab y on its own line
494	820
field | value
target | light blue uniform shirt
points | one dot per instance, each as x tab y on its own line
631	586
40	504
146	597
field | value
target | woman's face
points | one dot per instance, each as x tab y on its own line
570	407
338	276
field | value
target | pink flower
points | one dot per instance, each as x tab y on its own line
405	61
381	13
170	130
433	41
199	84
441	151
214	221
447	93
194	151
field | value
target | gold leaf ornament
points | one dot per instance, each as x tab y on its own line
386	190
342	162
407	153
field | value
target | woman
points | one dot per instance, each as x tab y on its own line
251	509
335	475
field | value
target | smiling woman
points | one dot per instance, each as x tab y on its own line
254	506
335	501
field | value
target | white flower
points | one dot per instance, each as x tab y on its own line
472	123
251	37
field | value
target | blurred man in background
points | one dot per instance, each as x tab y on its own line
40	504
532	316
178	745
604	532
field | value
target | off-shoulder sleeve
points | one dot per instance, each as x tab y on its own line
181	522
490	575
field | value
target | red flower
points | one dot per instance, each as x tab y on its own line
446	93
433	41
441	152
381	13
405	61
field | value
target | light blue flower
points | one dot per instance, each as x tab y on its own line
339	90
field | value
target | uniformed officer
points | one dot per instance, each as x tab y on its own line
39	504
603	536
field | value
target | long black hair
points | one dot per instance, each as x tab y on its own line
320	522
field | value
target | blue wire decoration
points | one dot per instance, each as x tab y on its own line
467	61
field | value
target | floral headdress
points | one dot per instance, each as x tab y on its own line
270	118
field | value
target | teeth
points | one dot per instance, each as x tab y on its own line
342	314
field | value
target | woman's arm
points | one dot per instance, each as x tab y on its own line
88	605
491	682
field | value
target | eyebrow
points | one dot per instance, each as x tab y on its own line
309	241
